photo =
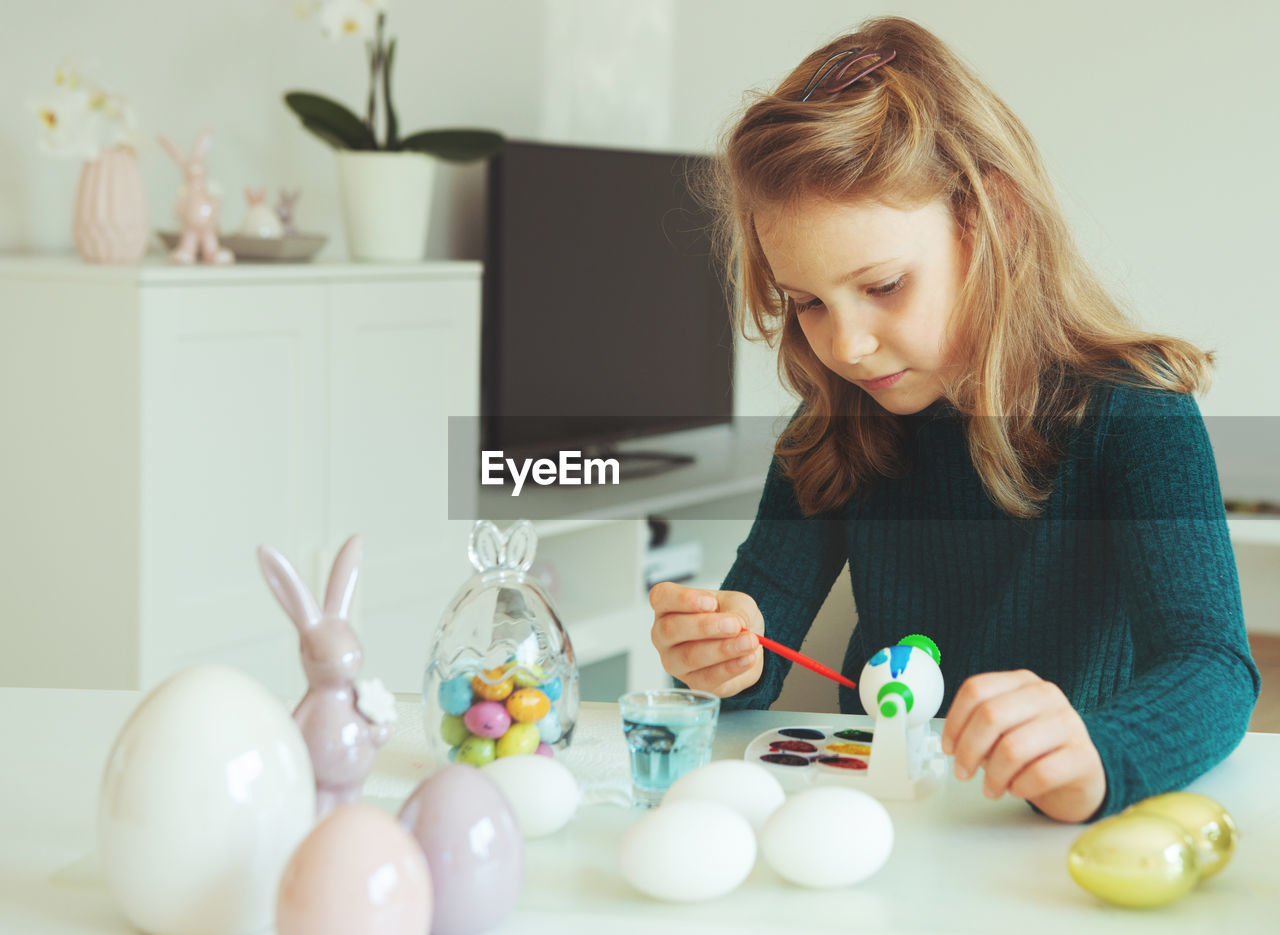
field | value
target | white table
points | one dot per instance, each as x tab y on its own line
960	863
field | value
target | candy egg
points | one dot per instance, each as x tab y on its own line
528	705
493	684
552	689
828	836
544	749
1212	829
452	730
519	739
473	846
549	728
542	793
476	751
528	675
357	871
455	695
1135	859
205	795
487	719
688	851
748	789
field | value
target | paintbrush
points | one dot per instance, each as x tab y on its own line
813	665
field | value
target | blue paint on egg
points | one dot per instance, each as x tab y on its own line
879	659
900	656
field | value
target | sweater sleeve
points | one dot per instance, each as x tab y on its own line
787	564
1194	683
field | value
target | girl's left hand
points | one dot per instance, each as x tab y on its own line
1029	742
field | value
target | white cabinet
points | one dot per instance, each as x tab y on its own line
159	423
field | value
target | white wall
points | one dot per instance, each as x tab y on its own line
1155	117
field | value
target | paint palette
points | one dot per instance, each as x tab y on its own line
797	755
822	755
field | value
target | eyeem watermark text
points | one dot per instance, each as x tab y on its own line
571	469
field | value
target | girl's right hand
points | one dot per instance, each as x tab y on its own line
698	635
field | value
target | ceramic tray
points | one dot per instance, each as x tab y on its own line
291	248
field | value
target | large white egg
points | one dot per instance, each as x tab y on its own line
542	792
899	677
828	836
688	851
206	793
747	788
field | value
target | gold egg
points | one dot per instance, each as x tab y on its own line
1210	825
1134	859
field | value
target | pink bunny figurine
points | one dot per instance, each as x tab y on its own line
197	207
343	719
286	208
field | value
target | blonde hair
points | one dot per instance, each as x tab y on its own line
1032	323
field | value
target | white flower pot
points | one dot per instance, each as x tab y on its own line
386	202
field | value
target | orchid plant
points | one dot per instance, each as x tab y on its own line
80	120
343	129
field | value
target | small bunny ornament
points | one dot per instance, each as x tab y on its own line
287	209
259	219
343	719
197	206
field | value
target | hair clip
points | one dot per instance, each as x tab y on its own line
830	75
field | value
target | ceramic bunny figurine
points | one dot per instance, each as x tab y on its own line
197	207
260	220
343	719
286	208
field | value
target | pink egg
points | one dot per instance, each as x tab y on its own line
474	848
487	719
360	871
544	749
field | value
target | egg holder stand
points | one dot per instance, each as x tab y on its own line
903	762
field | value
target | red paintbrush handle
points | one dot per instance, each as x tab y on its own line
801	659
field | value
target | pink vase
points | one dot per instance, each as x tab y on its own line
111	223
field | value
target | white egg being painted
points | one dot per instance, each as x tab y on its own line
903	677
206	794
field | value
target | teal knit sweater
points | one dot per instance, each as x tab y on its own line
1124	592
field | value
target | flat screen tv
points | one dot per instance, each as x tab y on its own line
605	317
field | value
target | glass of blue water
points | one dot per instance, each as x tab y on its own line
669	732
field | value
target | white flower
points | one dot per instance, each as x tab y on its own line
374	701
70	125
80	120
340	18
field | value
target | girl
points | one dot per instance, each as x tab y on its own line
1004	462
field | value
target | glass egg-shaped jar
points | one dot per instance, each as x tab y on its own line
501	678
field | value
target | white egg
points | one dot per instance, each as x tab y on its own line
688	851
206	793
542	792
828	836
747	788
901	677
